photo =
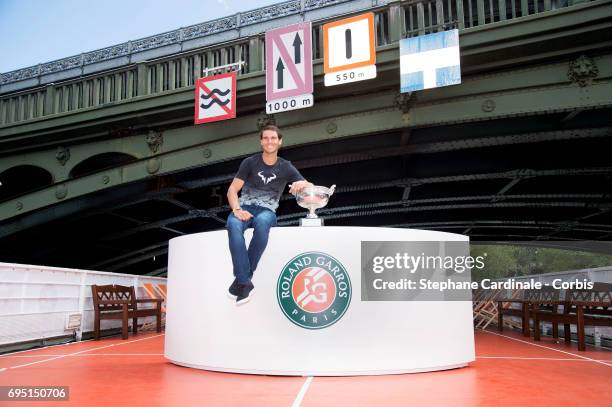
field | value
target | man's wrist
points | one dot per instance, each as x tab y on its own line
236	209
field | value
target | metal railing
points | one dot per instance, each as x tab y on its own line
392	22
425	17
134	80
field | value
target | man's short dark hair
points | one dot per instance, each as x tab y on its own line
270	127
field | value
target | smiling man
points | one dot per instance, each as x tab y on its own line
262	178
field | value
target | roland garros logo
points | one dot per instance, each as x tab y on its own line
314	290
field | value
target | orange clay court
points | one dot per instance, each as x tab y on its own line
508	371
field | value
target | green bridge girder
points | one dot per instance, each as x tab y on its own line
535	89
513	69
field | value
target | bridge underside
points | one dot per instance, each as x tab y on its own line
520	151
541	177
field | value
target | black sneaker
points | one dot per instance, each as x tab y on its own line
234	289
246	291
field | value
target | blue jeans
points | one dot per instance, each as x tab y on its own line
245	261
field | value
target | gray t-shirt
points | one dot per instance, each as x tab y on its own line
264	184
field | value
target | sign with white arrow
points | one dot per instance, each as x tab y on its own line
289	68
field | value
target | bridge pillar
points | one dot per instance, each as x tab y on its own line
396	26
49	100
141	79
255	54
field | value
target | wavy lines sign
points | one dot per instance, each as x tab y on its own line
215	98
430	61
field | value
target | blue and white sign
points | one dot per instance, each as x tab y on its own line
430	61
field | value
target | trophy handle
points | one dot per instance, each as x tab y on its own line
332	189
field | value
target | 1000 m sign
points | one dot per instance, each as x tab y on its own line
291	103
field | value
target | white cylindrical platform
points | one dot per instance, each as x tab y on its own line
206	330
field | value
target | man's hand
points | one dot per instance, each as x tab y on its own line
243	215
298	186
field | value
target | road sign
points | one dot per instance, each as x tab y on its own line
289	68
430	61
215	98
349	51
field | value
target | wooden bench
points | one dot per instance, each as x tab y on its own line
581	308
504	307
526	309
120	302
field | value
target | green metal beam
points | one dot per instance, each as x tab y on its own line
382	208
513	92
476	44
494	89
369	209
208	153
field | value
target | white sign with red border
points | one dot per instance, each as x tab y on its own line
215	98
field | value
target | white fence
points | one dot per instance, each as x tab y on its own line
35	301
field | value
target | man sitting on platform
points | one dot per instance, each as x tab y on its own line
262	178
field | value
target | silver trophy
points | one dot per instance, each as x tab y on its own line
313	198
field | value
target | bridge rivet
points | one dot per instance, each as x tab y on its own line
153	165
105	179
61	192
332	128
19	206
488	106
207	153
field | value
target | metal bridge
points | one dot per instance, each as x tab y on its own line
100	162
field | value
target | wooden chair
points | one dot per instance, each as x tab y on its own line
119	302
529	296
581	308
152	291
505	307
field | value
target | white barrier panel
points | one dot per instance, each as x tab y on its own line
206	330
35	301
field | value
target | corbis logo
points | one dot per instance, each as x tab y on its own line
314	290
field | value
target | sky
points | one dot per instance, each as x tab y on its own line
37	31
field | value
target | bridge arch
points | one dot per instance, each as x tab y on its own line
99	162
24	178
